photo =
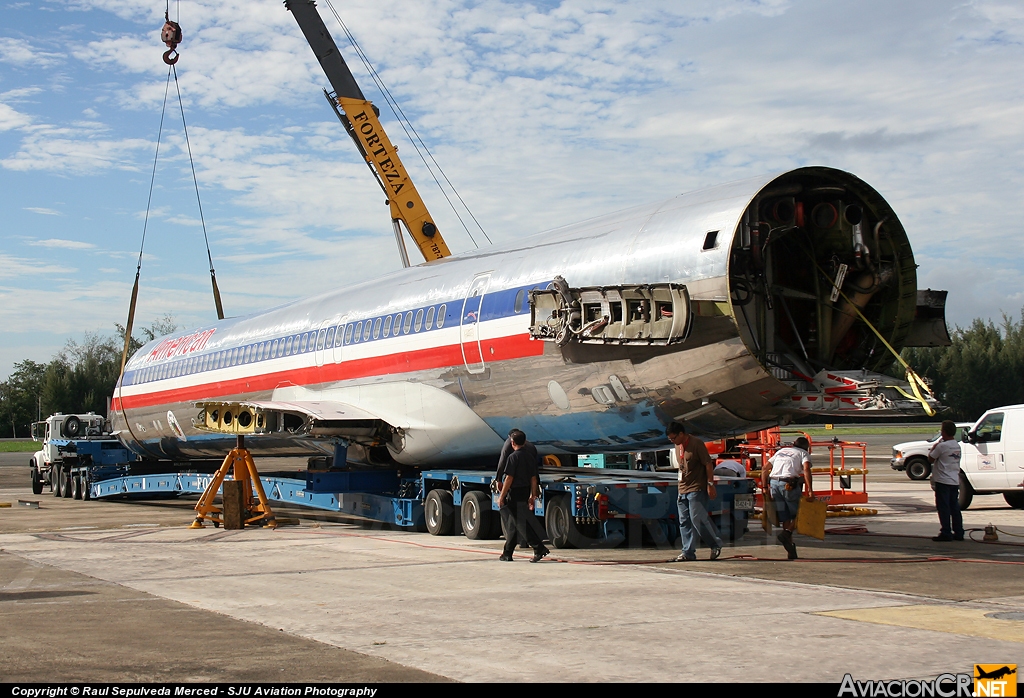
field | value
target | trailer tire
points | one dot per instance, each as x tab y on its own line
559	523
77	486
439	512
1015	499
86	494
55	479
966	492
477	516
37	482
918	468
72	427
65	484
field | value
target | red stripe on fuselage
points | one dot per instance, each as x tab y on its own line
504	348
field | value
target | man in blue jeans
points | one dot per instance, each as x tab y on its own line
945	459
696	490
791	470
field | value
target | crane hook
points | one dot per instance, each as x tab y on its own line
171	36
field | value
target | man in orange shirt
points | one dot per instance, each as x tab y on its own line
696	490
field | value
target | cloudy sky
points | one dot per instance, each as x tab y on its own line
541	113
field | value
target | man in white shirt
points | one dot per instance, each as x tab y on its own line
791	468
945	458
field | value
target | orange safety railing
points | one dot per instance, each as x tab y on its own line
843	460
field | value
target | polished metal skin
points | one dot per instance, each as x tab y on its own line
451	394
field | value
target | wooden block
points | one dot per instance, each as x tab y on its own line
233	497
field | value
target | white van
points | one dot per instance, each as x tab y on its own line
992	457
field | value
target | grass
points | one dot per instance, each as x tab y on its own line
19	446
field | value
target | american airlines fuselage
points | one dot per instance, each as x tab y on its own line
448	354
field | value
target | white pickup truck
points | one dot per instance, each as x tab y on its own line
992	457
912	456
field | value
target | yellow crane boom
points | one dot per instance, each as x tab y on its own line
362	122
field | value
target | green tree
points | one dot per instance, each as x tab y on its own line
982	368
20	398
80	378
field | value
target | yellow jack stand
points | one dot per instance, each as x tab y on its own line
240	460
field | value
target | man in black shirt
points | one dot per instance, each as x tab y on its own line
519	488
506	451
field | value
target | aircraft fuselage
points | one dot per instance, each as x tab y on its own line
443	353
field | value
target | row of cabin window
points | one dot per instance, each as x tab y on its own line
395	324
300	344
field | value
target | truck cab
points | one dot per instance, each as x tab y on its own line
56	433
992	457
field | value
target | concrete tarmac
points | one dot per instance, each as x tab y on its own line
121	591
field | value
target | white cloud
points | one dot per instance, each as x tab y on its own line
11	119
20	93
11	266
22	53
43	211
73	151
63	244
541	113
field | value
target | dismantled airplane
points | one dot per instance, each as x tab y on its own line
731	308
719	308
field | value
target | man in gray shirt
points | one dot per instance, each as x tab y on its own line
945	458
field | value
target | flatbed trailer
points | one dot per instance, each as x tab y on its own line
577	507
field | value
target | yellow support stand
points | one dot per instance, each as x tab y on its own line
257	509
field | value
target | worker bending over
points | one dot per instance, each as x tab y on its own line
791	469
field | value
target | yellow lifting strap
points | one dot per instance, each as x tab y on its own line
917	383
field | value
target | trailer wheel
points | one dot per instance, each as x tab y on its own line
966	492
918	468
65	484
76	481
1015	499
561	528
37	482
439	512
55	479
86	493
477	516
